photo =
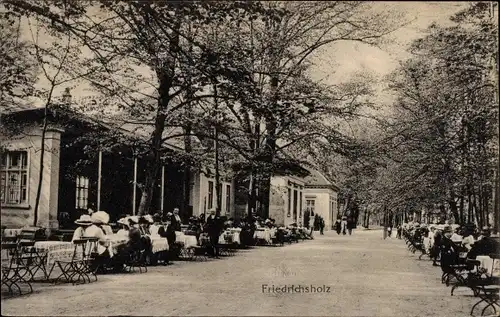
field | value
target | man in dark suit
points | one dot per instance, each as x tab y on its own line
485	246
176	220
213	228
448	249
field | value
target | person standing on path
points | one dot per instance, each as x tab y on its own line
337	225
321	225
350	225
212	227
311	226
344	225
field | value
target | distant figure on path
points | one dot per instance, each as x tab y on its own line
311	226
344	225
213	228
338	225
350	225
321	225
389	231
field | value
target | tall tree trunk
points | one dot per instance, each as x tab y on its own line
368	219
454	210
165	75
270	149
40	173
462	219
188	129
496	202
364	218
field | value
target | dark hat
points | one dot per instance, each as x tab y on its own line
447	228
157	217
486	231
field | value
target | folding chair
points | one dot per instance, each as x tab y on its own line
12	268
89	258
489	289
75	266
31	259
137	258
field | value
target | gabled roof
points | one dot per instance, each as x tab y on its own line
317	180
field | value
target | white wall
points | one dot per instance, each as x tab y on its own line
325	204
200	195
18	216
279	200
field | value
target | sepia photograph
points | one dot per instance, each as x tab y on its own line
249	158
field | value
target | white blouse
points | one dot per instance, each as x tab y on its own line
78	234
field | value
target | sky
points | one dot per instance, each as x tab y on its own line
338	62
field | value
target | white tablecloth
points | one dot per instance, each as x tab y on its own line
487	264
187	241
264	234
159	244
55	250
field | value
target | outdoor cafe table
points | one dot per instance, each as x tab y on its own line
52	251
234	234
263	233
159	244
187	240
486	263
114	241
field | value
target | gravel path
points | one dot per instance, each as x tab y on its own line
366	276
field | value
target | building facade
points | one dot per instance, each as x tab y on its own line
77	176
292	196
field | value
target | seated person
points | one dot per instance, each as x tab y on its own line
83	222
124	229
155	226
101	219
468	240
95	231
144	226
455	237
485	246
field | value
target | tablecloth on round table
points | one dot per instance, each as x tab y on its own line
487	264
264	234
186	240
159	243
234	233
55	250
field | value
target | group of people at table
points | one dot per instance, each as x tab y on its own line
465	241
140	232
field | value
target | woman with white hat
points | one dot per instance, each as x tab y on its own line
101	219
83	222
124	229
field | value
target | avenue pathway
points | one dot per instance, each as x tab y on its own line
366	276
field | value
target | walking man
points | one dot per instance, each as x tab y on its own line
321	225
344	225
212	227
338	226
